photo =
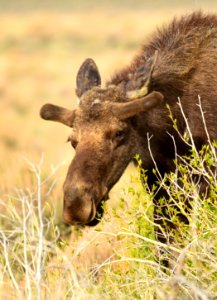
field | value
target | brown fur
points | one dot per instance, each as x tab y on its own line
105	142
185	66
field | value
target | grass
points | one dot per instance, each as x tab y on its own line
118	258
41	257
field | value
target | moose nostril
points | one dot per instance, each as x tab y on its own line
78	206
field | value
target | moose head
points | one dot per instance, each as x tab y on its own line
103	138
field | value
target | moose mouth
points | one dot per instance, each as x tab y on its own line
99	213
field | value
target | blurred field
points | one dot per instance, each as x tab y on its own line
42	46
114	5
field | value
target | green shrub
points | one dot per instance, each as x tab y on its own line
36	262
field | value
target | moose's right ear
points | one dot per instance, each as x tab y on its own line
88	76
59	114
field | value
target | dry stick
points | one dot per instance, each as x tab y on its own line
208	137
40	231
154	242
152	157
7	262
187	125
191	137
199	294
126	259
37	172
25	217
157	170
205	127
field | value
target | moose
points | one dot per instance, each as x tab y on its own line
130	114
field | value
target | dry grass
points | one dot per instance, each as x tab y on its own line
117	258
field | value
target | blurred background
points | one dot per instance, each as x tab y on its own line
42	45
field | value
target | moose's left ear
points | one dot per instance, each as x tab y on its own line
88	76
57	113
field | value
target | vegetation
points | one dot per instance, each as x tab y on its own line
38	261
40	256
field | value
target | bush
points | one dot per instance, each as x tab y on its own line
120	257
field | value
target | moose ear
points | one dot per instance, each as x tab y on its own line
139	85
88	76
57	113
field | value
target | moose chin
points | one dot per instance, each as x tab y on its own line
111	125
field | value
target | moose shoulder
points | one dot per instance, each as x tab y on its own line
113	124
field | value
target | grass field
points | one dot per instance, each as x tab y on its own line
41	49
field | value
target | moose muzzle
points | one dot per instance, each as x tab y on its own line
79	205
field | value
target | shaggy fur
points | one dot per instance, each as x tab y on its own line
178	61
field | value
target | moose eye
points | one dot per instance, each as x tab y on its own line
73	142
119	134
